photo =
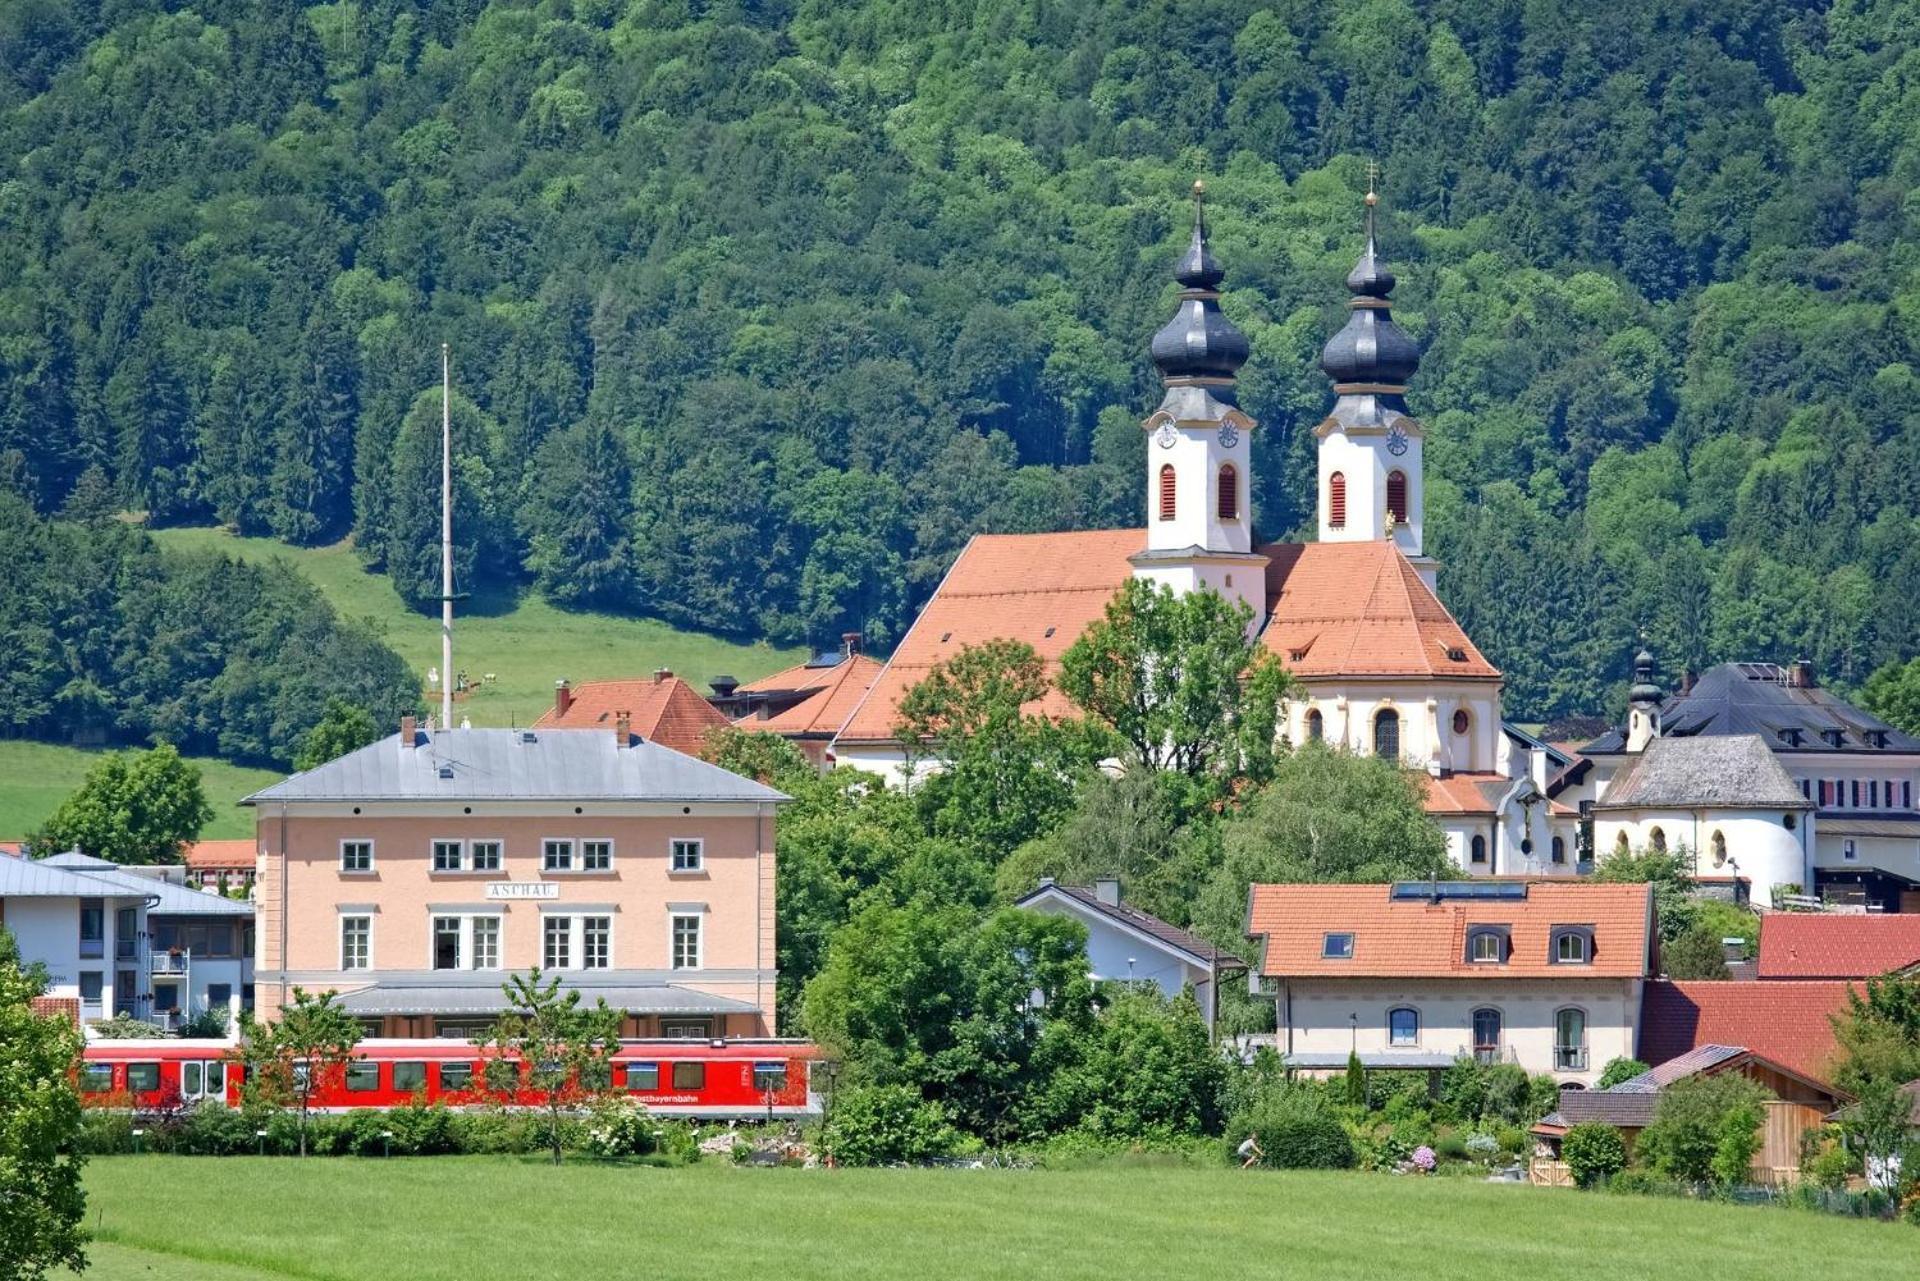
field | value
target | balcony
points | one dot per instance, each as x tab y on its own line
1569	1058
169	963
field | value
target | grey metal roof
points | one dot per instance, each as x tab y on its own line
1699	1059
431	992
1894	825
516	765
1161	931
1736	771
77	875
1757	698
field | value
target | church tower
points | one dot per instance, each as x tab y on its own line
1370	467
1643	703
1199	483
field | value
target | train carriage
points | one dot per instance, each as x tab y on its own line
696	1079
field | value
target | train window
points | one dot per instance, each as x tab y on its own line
769	1076
456	1076
96	1078
143	1076
408	1077
362	1077
191	1079
302	1079
216	1079
689	1076
643	1076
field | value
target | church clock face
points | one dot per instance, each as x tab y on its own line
1396	440
1229	435
1167	436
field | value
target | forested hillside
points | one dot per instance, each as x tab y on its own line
759	310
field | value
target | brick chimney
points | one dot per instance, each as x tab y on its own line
1800	675
409	730
849	643
622	729
562	696
661	674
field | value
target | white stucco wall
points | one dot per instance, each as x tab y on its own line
1116	954
48	930
1761	848
1361	456
1348	707
1196	456
1329	1016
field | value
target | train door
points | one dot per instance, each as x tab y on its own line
203	1079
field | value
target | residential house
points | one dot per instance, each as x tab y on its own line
1859	773
808	704
1127	945
1545	974
221	865
1820	945
413	874
661	709
1796	1104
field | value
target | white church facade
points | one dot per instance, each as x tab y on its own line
1381	666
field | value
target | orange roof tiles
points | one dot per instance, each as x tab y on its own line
833	701
1788	1022
1337	609
1464	793
667	711
1418	938
1807	945
219	854
1360	609
1043	589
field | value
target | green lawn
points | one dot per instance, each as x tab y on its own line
527	644
35	777
475	1217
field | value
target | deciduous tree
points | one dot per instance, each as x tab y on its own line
42	1204
307	1047
133	807
552	1042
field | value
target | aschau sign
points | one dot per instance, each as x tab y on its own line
523	889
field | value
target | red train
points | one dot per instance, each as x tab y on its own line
706	1079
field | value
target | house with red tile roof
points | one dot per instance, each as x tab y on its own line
1547	974
1789	1021
807	704
1382	666
661	709
1820	945
219	864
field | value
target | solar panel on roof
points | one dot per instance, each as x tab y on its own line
1479	891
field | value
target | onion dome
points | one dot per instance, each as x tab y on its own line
1199	342
1645	688
1370	350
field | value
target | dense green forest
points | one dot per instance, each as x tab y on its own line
760	309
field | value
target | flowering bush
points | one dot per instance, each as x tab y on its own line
619	1127
1482	1147
1423	1159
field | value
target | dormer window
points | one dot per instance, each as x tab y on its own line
1833	737
1487	945
1336	947
1572	944
1876	738
1791	737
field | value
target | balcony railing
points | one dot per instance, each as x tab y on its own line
164	963
1569	1058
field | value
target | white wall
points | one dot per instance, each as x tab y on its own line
1196	456
1763	849
1363	459
48	930
1110	946
1316	1017
1347	710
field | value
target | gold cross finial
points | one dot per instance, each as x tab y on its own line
1373	183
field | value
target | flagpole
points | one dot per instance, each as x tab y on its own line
446	536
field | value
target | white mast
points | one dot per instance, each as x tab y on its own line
446	536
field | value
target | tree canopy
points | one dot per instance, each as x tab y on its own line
132	807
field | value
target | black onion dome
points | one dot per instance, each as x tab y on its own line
1645	689
1199	342
1370	348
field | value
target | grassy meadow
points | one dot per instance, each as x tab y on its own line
35	777
525	642
460	1218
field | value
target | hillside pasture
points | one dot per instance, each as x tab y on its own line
36	777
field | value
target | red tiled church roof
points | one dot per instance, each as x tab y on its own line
1808	945
1788	1022
1419	938
1336	609
665	710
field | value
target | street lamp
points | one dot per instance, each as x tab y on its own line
262	1136
386	1143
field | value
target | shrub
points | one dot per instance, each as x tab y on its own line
422	1129
1450	1147
617	1127
1831	1166
883	1124
1618	1070
1514	1139
209	1024
1699	1128
213	1130
103	1133
1297	1130
1594	1152
124	1027
1481	1147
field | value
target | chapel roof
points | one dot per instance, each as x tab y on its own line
664	709
1733	772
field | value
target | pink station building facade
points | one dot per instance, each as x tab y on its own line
413	875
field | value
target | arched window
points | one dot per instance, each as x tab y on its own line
1386	734
1316	725
1487	945
1479	849
1166	492
1337	501
1486	1034
1719	846
1657	840
1403	1026
1229	493
1572	946
1462	722
1620	845
1397	496
1570	1040
1559	849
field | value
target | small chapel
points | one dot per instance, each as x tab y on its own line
1355	615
